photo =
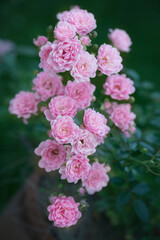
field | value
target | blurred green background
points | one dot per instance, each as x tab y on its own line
20	22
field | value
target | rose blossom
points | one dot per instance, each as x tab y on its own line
64	30
44	54
120	39
64	54
64	129
53	155
23	105
85	143
76	168
85	67
123	118
40	41
63	15
63	211
109	60
119	87
96	179
61	106
109	107
46	85
81	191
85	40
81	19
81	92
95	123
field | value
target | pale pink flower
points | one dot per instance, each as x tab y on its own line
81	92
81	191
120	39
119	87
23	105
53	155
43	108
44	54
109	60
63	211
49	133
85	143
95	122
96	179
61	106
62	16
64	54
81	19
46	85
64	30
110	106
64	129
123	118
85	40
108	168
76	168
85	67
40	41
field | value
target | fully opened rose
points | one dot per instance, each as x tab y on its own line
78	122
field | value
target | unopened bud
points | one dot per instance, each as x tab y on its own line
94	34
131	100
144	150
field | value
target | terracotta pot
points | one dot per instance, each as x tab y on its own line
25	218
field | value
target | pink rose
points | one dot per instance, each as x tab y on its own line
85	40
109	60
120	39
63	211
95	123
53	155
40	41
97	178
64	54
81	92
119	87
123	118
46	85
85	67
61	106
81	191
81	19
85	143
64	30
64	129
110	106
76	168
23	105
44	54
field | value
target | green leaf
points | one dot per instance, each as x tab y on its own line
123	198
117	181
141	210
141	188
146	145
133	145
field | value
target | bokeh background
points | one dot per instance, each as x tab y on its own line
20	22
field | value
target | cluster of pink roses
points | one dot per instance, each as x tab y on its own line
71	145
121	116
